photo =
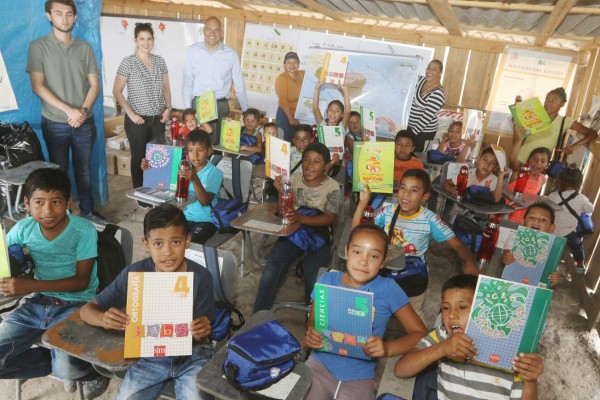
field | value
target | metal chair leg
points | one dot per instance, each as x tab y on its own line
19	385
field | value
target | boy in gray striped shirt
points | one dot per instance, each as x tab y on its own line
459	375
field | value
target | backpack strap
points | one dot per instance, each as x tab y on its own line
393	224
565	202
559	142
236	178
299	163
111	229
216	159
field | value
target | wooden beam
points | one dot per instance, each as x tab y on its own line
314	6
232	3
504	6
443	11
561	10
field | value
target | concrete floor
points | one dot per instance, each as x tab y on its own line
572	356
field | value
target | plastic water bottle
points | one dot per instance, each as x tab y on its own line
368	216
175	131
183	183
489	239
522	179
286	201
461	182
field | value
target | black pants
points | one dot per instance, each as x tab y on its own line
201	231
140	135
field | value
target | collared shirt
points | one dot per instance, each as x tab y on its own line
204	71
65	69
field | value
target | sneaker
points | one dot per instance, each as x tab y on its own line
143	205
97	218
95	388
70	386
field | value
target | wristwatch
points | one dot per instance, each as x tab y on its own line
85	110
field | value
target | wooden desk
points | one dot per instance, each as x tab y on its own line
181	205
239	153
17	176
484	210
99	347
211	378
260	218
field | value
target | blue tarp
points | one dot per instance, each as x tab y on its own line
21	22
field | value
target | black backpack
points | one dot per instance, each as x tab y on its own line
111	257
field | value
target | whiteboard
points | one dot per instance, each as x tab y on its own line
171	41
265	47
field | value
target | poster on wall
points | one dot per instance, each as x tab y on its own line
528	74
265	46
171	41
8	102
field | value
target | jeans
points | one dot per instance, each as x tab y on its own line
60	138
279	260
148	377
24	327
426	384
139	136
284	123
201	231
576	246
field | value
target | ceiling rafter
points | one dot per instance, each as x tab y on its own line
443	11
232	3
557	16
314	6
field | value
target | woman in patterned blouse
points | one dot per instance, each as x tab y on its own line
429	98
148	103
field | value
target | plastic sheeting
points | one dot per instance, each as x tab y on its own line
24	21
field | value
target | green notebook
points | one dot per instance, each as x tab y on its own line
206	107
373	166
4	263
537	255
531	116
230	134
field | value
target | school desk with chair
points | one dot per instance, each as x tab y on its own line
263	219
138	195
238	153
211	378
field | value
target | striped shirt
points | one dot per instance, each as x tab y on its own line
461	380
423	113
144	87
413	233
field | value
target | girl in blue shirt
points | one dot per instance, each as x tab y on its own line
339	377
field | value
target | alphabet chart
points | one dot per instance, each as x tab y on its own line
160	308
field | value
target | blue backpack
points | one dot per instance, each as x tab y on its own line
260	356
437	157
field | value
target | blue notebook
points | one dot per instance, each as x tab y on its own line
164	164
345	319
506	318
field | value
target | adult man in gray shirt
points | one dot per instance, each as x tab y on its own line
64	75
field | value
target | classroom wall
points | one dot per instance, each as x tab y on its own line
470	65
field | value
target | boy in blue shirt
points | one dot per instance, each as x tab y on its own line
64	250
166	236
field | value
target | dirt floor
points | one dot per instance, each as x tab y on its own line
571	355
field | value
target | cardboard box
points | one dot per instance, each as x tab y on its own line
124	163
114	126
116	142
111	163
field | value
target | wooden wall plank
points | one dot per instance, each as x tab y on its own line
478	80
455	67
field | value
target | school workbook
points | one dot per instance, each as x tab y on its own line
368	124
531	116
345	319
373	166
277	157
206	107
537	255
230	134
333	138
334	68
164	166
506	318
160	310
